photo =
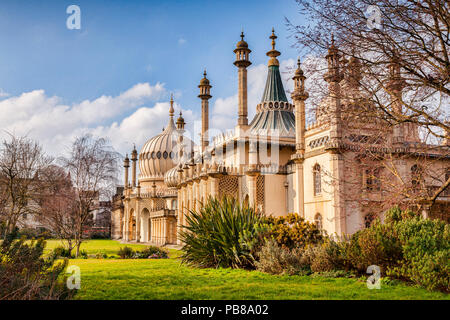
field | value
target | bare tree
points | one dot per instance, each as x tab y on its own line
58	205
22	160
93	166
394	72
415	34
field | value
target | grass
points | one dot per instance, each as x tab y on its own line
92	247
168	279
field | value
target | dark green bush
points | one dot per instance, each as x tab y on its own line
275	259
292	231
62	252
126	253
223	234
152	252
426	253
378	245
25	274
100	235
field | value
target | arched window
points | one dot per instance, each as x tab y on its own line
318	221
373	182
174	204
368	219
317	180
416	176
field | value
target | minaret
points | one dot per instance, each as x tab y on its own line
395	87
299	96
205	95
334	76
126	165
134	158
171	109
180	129
242	62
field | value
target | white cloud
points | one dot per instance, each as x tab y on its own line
3	94
55	124
182	41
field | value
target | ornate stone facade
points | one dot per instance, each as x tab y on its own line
276	163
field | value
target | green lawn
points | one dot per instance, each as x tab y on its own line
168	279
109	247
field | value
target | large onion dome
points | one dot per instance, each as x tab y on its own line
160	153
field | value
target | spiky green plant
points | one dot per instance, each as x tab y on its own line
222	233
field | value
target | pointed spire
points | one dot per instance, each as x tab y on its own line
171	109
273	54
134	153
273	37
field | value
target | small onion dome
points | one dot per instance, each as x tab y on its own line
171	177
126	162
204	81
242	43
180	121
299	72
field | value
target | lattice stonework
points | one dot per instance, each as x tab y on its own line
260	189
159	204
244	187
229	185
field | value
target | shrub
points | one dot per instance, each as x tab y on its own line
62	252
25	274
125	253
152	252
100	235
426	253
223	234
83	254
378	245
293	231
101	255
274	259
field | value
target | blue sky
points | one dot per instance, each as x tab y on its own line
125	43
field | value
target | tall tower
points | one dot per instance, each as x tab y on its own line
395	87
242	62
180	130
205	95
334	76
126	165
299	96
134	158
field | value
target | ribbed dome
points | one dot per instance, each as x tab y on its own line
160	153
171	177
274	115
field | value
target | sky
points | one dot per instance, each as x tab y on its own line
114	76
